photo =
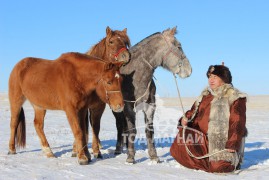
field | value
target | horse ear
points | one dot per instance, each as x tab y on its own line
108	31
165	31
174	30
124	30
169	32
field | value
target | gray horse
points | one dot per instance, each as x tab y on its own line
159	49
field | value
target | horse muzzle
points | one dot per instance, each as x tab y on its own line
123	56
185	69
118	108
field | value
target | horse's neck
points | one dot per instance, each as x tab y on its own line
145	58
89	72
99	50
151	51
136	75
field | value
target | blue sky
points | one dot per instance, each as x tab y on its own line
210	31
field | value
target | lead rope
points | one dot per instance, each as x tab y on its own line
180	100
183	136
139	97
151	67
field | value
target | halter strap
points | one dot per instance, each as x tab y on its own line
108	92
117	54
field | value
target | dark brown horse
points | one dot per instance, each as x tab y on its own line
114	47
73	83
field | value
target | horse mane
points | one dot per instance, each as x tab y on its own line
80	56
145	41
99	48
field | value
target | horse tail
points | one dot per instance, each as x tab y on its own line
21	131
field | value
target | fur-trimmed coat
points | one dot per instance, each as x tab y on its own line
221	116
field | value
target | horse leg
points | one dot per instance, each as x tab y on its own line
39	127
17	120
130	119
121	126
148	116
83	117
74	150
74	120
149	111
95	119
85	124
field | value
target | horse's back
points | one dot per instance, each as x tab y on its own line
35	78
31	67
48	83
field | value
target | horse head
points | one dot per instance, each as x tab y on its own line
117	44
174	58
109	87
114	47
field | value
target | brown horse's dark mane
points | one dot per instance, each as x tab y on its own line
99	49
80	56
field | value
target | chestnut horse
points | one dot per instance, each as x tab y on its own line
70	83
114	47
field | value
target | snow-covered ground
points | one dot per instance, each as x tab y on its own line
30	163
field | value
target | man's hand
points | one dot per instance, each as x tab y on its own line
184	121
231	150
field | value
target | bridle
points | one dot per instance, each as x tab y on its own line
119	51
171	50
107	91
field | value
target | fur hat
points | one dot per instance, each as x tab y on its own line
221	71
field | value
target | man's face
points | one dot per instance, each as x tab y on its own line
214	81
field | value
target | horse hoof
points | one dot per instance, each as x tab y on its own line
83	162
10	152
118	150
50	155
98	156
155	160
116	153
47	151
130	160
74	154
